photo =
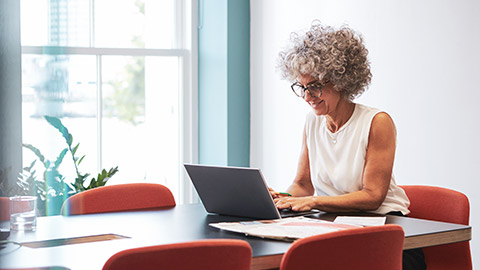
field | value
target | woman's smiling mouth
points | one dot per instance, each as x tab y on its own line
315	104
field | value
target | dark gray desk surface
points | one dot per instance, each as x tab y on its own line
179	224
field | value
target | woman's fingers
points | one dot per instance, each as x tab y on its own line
294	203
273	193
283	203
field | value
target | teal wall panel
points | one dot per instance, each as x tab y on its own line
224	82
212	82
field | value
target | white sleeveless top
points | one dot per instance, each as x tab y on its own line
337	159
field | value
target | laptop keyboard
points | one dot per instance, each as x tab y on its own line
291	213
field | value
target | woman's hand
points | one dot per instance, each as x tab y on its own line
276	194
296	203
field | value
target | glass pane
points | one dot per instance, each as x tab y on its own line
55	23
63	87
135	23
140	119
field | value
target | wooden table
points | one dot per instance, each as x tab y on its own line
179	224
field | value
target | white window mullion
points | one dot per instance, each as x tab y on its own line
188	126
179	7
56	50
99	113
189	98
91	25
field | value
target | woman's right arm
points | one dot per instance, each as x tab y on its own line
302	184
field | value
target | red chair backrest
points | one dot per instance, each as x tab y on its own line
212	254
439	204
115	198
369	248
446	205
4	208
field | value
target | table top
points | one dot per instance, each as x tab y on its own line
179	224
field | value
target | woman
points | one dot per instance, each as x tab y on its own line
348	149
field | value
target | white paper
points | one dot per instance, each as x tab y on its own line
361	221
287	228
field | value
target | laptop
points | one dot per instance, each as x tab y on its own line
236	191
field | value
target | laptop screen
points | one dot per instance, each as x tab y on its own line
234	191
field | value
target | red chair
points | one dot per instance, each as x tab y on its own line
115	198
446	205
4	208
212	254
369	248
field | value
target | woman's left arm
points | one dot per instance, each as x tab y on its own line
377	174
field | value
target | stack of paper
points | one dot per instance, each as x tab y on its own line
361	221
283	229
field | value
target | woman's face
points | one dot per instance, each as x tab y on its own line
326	102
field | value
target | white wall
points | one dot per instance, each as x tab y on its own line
425	62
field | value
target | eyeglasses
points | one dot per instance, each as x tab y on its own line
314	89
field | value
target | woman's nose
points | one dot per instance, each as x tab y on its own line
308	96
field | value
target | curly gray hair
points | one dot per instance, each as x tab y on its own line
323	52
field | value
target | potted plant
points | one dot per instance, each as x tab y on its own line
51	187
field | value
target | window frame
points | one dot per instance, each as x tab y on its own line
186	22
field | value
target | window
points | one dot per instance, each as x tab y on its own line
119	76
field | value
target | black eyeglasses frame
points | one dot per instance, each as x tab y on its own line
308	88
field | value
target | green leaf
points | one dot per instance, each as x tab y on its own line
57	123
69	139
102	178
54	183
29	168
79	182
60	158
35	151
70	189
74	151
80	160
25	184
